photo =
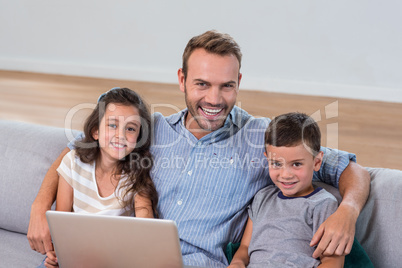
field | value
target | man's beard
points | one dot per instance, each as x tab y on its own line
203	122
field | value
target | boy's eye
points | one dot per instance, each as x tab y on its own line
297	164
276	164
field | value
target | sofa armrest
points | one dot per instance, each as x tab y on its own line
378	227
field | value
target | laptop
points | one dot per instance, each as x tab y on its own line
90	240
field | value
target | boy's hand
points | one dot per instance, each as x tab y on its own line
335	235
236	265
51	260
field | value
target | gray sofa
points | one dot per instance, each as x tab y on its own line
28	150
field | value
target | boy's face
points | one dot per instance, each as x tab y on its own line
292	168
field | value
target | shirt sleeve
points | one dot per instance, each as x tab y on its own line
323	211
259	201
65	168
333	164
79	137
253	208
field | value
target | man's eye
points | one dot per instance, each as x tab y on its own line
201	84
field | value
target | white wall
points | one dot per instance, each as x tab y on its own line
337	48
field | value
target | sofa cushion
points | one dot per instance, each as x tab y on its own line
16	252
26	153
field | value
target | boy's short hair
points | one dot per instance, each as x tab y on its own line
292	129
213	42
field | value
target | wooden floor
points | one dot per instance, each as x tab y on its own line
372	130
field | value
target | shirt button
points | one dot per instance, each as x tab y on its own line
189	173
179	202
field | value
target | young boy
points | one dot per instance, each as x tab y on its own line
283	217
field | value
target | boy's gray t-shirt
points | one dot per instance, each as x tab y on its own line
283	227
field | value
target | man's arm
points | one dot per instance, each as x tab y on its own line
336	234
38	230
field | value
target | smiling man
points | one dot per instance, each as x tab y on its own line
209	163
210	86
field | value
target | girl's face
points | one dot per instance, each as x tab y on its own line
118	131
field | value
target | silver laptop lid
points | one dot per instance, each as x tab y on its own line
89	240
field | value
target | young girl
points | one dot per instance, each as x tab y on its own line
108	171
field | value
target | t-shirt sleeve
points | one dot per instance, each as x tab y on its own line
333	164
323	210
258	201
65	168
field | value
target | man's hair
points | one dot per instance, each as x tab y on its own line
213	42
292	129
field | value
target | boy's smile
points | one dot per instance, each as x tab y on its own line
292	168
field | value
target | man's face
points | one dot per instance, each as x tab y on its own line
210	89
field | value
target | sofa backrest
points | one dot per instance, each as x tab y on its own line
26	153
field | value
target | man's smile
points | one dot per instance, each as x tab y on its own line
211	112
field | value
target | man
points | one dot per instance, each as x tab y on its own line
209	163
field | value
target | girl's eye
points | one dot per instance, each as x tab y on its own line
131	129
112	126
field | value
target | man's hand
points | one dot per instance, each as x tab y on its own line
336	234
38	232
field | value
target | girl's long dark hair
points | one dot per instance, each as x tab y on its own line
137	165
